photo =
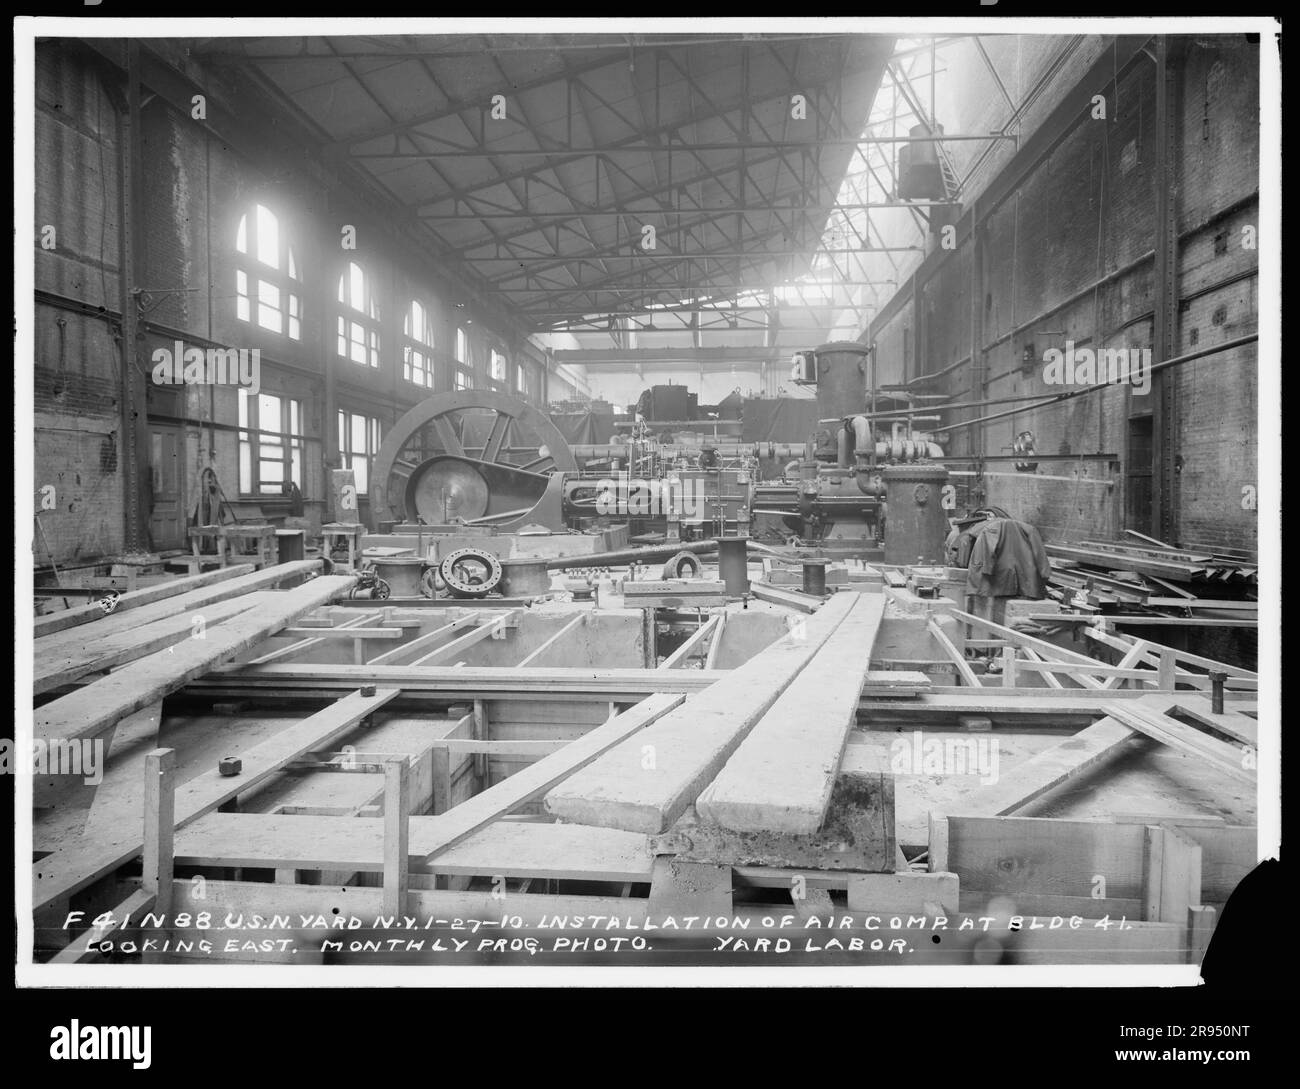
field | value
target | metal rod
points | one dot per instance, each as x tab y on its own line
673	146
1214	349
580	213
711	255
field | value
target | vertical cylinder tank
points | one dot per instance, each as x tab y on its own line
733	561
915	524
841	390
920	176
523	577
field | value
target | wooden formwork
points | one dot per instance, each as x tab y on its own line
471	762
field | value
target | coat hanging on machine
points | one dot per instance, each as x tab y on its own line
1007	559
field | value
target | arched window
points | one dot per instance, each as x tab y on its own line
268	283
464	371
497	366
417	352
358	338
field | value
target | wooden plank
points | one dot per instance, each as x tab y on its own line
784	595
194	600
91	710
779	779
423	642
159	824
533	781
135	599
1079	672
937	854
1162	552
540	656
1231	723
691	644
397	815
1050	651
564	852
1011	856
1129	660
1171	874
501	682
680	889
451	650
1052	680
1036	776
502	748
306	644
1200	928
343	632
505	849
904	893
1151	619
159	834
1009	666
1227	758
644	785
1182	572
52	669
896	682
1205	663
1005	856
711	661
957	657
264	898
65	872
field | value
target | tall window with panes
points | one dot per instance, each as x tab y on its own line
270	443
359	438
417	352
268	278
464	376
358	321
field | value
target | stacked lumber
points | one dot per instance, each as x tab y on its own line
646	783
96	708
1159	562
780	778
1150	579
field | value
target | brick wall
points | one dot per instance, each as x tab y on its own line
1086	214
195	190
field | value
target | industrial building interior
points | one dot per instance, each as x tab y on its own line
489	476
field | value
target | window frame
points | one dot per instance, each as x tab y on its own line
348	455
416	348
253	438
261	286
353	319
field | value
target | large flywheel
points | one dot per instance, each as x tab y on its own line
475	457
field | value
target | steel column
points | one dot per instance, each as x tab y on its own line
1165	335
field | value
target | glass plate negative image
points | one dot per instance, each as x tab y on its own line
563	499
